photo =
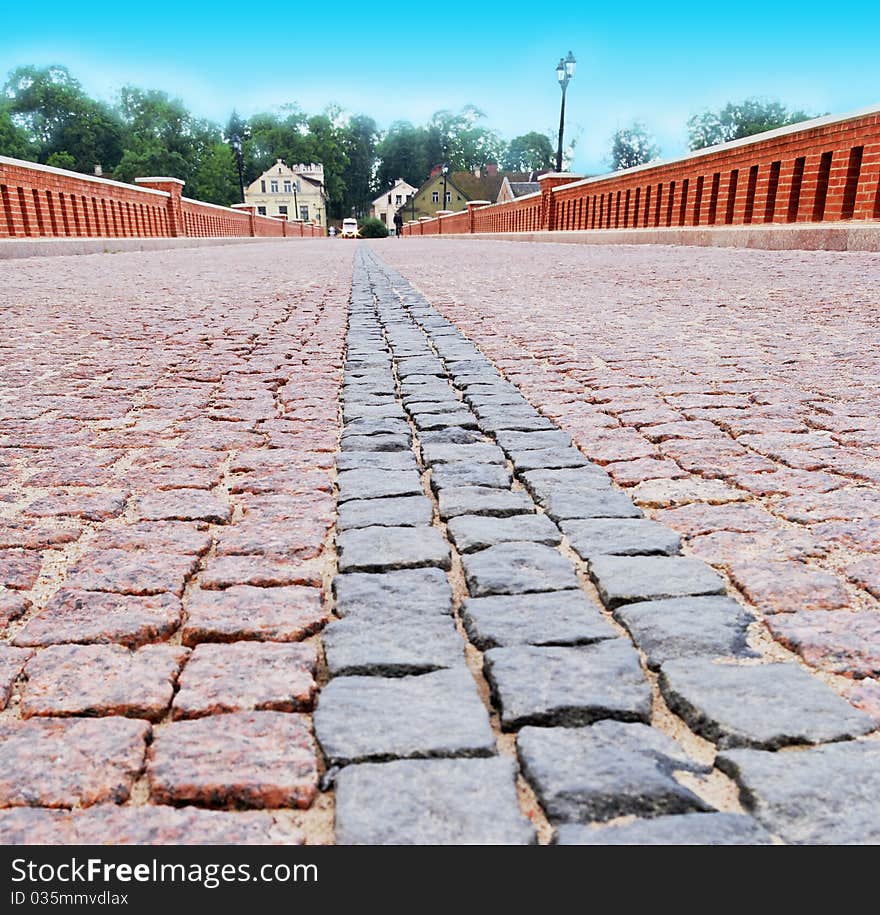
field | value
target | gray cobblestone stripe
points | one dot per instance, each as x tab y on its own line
524	515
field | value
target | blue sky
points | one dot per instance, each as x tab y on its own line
658	63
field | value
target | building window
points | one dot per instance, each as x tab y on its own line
282	210
263	187
261	211
435	196
389	198
286	187
273	187
398	199
448	196
318	217
304	213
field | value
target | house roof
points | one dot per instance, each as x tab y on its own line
484	187
521	188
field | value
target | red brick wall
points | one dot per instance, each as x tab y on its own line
42	202
827	170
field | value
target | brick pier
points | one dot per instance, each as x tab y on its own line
440	541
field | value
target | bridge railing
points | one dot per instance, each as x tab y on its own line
823	170
39	201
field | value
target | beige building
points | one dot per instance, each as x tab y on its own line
388	203
294	191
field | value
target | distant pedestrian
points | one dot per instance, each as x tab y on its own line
398	224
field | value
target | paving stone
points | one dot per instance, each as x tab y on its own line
373	719
684	627
380	443
529	441
477	453
62	762
822	795
385	425
568	687
604	771
254	759
563	504
29	535
166	537
405	511
462	419
783	587
669	493
620	537
108	824
129	572
259	571
95	617
410	591
430	802
391	643
453	435
477	532
549	618
247	676
497	420
841	642
624	579
12	608
418	407
482	500
547	459
376	460
90	506
588	479
377	484
461	473
677	829
98	680
259	614
20	569
274	540
517	568
766	706
383	549
12	661
183	505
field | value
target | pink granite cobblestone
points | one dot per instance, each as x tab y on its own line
167	428
691	373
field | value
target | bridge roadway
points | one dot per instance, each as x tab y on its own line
434	540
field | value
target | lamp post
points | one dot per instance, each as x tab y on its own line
445	173
296	213
564	73
236	148
412	200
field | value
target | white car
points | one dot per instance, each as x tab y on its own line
349	228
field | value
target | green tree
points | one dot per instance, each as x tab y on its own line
14	141
61	160
326	144
631	146
459	139
532	151
403	153
359	141
274	136
216	180
56	115
740	119
162	137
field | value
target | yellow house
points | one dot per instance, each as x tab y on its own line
294	191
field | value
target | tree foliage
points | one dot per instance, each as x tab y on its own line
532	151
631	146
740	119
373	228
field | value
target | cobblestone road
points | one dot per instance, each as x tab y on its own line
293	552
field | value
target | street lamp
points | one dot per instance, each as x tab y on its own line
445	173
412	200
564	73
236	147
